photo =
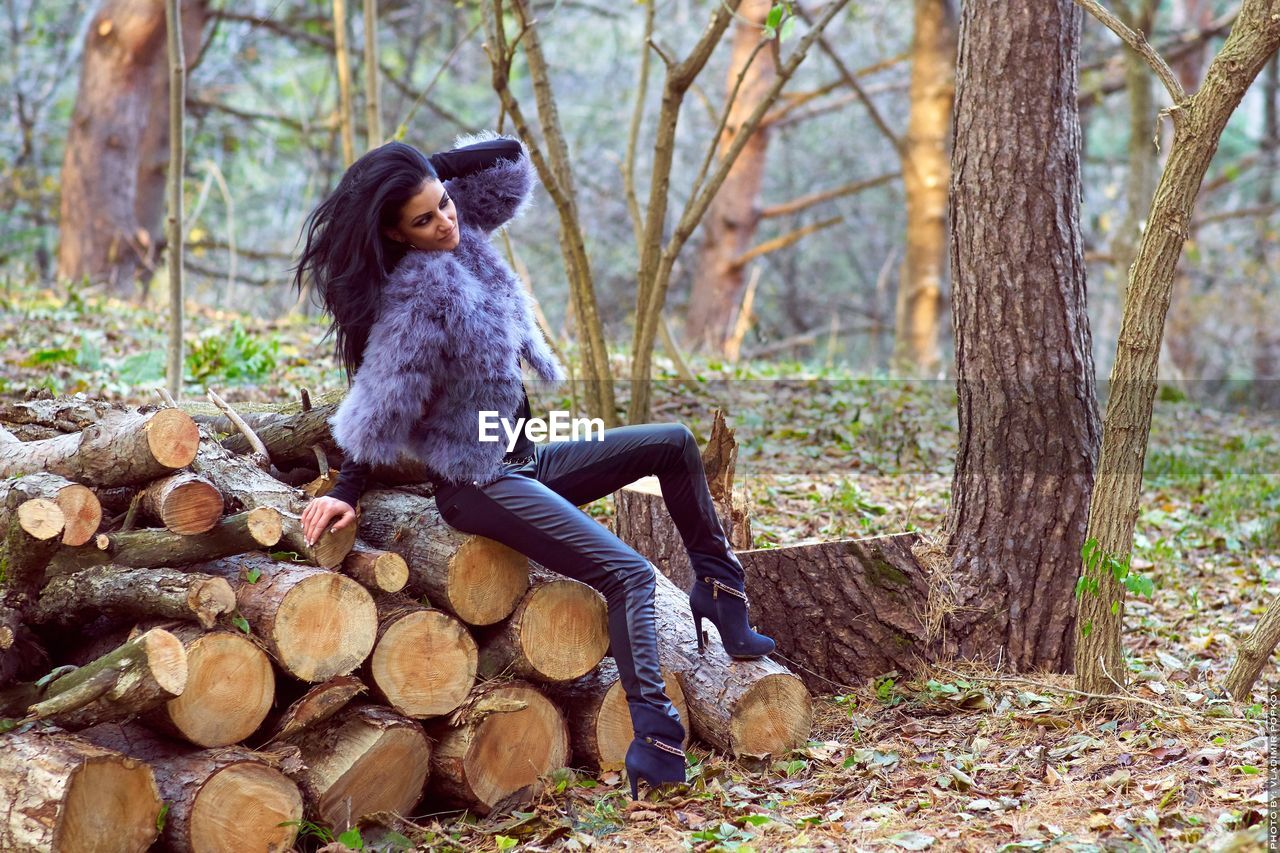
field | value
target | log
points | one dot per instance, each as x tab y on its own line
853	608
47	415
31	530
63	793
595	707
120	449
364	760
475	578
219	800
184	503
497	749
121	593
144	672
243	483
558	632
375	569
317	704
741	707
230	688
424	663
257	528
315	623
81	510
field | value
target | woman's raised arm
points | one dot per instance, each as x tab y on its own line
489	177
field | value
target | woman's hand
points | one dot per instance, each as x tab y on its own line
320	514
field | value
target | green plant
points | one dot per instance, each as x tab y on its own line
234	356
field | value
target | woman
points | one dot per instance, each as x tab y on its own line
432	324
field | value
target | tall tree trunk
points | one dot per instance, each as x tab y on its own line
346	115
1027	414
373	102
177	112
925	174
101	236
1113	510
730	224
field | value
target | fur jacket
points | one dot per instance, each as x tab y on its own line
451	329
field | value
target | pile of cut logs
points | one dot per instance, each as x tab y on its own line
176	664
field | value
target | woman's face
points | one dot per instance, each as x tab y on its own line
429	220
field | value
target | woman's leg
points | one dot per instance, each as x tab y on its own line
523	513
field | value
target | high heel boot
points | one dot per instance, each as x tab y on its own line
655	755
724	602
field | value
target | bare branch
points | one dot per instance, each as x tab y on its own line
784	240
1139	43
633	133
806	201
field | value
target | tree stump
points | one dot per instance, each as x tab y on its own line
476	579
599	718
498	747
63	793
366	759
424	663
558	632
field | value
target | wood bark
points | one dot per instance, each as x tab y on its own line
559	631
599	719
63	793
731	220
498	748
1254	653
743	708
257	528
364	760
243	483
120	449
375	569
121	593
229	691
475	578
925	175
31	528
81	510
314	622
1198	123
1028	421
224	800
183	502
317	704
136	677
424	663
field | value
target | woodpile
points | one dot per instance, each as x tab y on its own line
178	664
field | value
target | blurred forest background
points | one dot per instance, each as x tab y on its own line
264	146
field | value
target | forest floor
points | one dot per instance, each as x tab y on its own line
959	757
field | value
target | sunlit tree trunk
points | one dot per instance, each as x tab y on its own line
173	225
730	224
926	170
1028	420
346	114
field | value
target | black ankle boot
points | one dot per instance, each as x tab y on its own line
725	604
656	755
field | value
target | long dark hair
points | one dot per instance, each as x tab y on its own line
347	257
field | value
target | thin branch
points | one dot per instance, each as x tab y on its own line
262	457
806	201
783	241
1261	210
714	145
1139	43
633	132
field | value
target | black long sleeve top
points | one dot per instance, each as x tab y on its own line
353	476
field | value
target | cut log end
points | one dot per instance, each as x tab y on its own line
425	663
564	630
382	570
82	511
166	660
774	716
173	438
230	688
265	526
246	806
613	728
210	599
109	791
332	548
325	626
42	518
486	581
192	507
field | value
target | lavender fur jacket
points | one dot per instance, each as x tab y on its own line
447	342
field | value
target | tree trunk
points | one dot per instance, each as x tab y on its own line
595	707
366	759
64	793
1113	510
498	747
729	227
1028	421
119	593
475	578
218	799
558	632
315	623
925	175
415	683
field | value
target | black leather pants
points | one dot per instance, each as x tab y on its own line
533	508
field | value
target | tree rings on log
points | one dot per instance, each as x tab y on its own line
184	503
424	664
558	632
